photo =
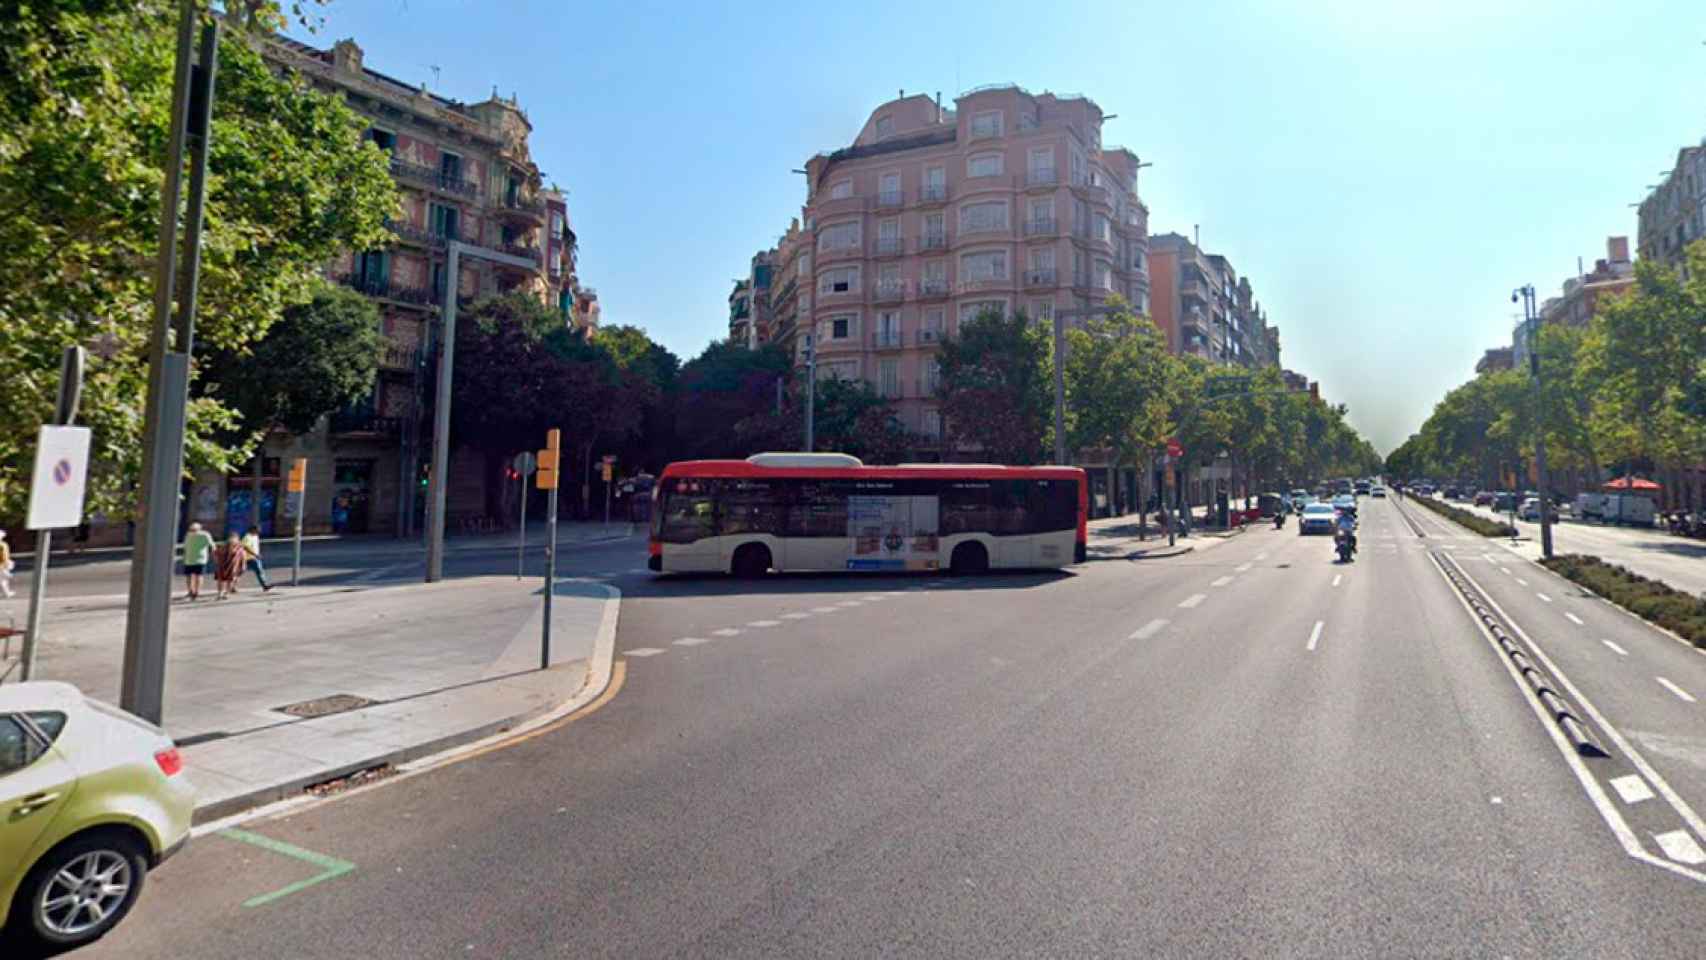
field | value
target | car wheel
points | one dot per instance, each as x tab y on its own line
80	889
969	558
751	561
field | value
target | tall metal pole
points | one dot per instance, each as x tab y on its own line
1533	320
550	575
438	482
144	672
65	412
1060	387
521	543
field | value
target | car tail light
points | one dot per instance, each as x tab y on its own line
170	761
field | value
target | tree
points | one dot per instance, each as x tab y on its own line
1117	386
720	388
994	386
322	356
85	89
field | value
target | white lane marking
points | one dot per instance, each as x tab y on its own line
795	616
1243	567
875	597
1573	619
1315	634
1261	556
826	609
1632	788
1615	648
765	623
1673	688
1543	596
849	603
1631	846
1521	582
1679	846
1337	577
1221	581
727	632
894	593
643	652
1507	570
692	641
1148	630
1193	600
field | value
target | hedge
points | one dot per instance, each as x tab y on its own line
1682	613
1475	522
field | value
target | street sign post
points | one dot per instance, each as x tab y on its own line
296	489
523	464
57	485
546	479
608	467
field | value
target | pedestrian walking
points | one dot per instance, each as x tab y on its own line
5	566
228	565
252	553
198	543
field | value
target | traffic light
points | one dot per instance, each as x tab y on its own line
298	479
426	475
546	477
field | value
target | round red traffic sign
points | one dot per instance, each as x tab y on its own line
1174	449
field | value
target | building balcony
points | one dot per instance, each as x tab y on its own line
890	200
522	208
987	229
1044	178
840	293
929	336
825	208
888	291
345	423
522	250
847	251
978	284
1093	192
433	179
890	247
386	289
1045	277
887	340
1042	228
933	241
400	358
933	193
415	235
1081	281
931	288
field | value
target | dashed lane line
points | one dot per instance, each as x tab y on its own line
850	603
1193	600
1148	630
1243	567
1615	648
1679	846
1337	577
727	632
765	623
826	609
1315	634
1632	788
643	652
795	616
1682	694
1543	596
1573	619
1521	582
1221	581
875	597
691	641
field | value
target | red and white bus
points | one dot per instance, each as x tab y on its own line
828	511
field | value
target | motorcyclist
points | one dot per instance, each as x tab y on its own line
1345	525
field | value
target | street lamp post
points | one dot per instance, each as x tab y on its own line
1531	321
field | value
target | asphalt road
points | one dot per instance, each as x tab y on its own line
1248	750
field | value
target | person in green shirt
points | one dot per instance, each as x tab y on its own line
198	543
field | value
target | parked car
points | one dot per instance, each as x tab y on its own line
1362	487
1504	502
1317	518
1484	498
91	798
1299	498
1453	493
1530	510
1378	493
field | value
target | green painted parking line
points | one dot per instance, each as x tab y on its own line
329	866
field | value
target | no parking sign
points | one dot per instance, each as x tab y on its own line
60	478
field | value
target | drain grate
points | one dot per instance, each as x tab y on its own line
325	706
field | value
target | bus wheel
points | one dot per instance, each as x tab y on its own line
969	558
751	561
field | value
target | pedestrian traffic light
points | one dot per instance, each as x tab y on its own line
549	458
298	479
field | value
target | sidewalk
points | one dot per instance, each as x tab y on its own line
1116	538
432	665
1648	551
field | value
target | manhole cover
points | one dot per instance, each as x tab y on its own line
322	706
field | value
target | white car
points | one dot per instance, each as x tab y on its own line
1317	518
91	798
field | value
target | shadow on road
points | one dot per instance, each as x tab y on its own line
722	585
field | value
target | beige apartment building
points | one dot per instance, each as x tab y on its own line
1008	201
465	173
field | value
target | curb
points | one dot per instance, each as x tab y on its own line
418	758
1154	555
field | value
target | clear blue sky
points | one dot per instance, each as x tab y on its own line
1384	173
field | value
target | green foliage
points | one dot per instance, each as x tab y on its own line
720	388
324	355
1475	522
1118	385
994	389
1681	613
85	94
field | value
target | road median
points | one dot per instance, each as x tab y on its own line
1653	601
1463	518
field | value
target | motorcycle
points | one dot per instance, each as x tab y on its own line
1346	544
1279	519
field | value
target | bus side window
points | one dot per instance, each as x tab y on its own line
817	509
1008	512
753	506
965	508
1053	505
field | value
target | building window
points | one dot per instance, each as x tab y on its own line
932	375
888	377
984	217
1042	311
383	139
984	165
1079	167
935	178
803	266
885	127
450	167
1104	275
981	267
936	271
839	280
445	221
1042	211
1104	229
976	307
935	225
839	236
1042	258
986	124
841	190
934	320
843	326
930	423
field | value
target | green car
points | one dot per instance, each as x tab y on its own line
91	798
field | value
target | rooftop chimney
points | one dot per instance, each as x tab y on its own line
1617	249
346	56
938	106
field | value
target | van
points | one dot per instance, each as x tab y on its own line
1628	509
1589	506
